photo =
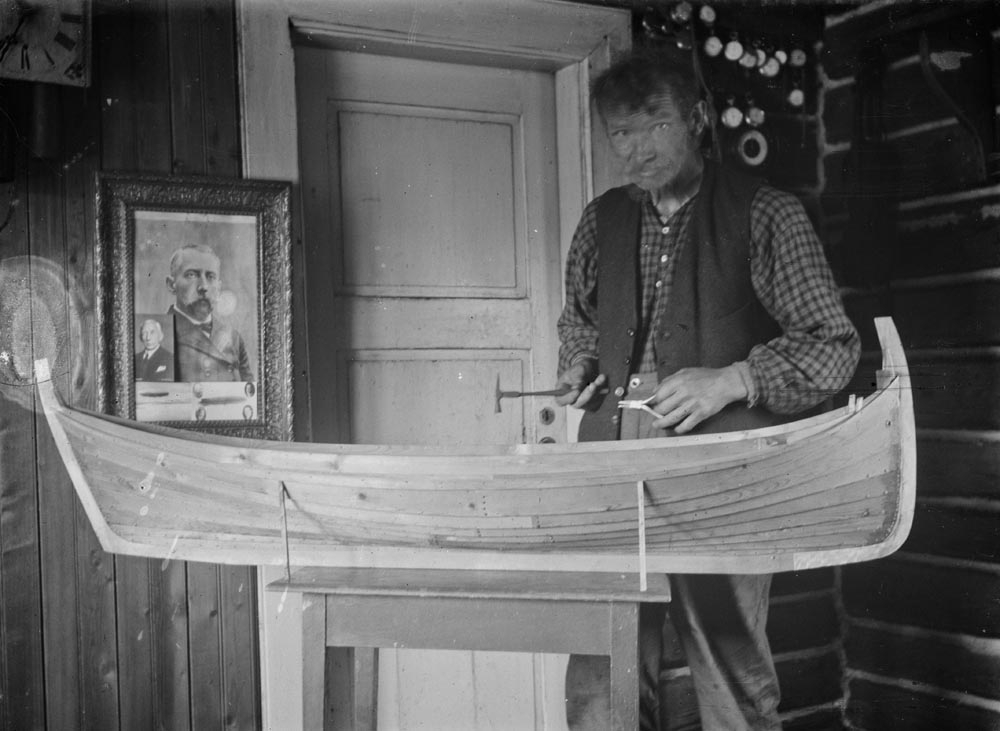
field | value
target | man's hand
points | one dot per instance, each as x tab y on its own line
691	395
582	386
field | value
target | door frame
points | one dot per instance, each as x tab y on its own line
518	33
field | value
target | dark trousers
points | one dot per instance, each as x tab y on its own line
720	622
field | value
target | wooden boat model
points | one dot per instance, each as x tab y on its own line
831	489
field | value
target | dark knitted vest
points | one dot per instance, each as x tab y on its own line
712	317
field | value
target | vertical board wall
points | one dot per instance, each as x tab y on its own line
90	640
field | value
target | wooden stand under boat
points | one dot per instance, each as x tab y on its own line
831	489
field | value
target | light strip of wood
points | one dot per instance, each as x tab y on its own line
947	563
910	686
832	21
982	505
972	643
959	435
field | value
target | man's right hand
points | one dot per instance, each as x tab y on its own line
582	386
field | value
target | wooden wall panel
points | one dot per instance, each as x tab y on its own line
876	706
958	464
810	681
56	498
963	531
933	315
960	664
808	620
93	641
792	152
132	127
941	596
21	619
20	594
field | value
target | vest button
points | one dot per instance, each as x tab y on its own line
615	419
628	361
630	332
620	391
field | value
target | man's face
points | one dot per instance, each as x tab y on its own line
656	143
196	286
149	333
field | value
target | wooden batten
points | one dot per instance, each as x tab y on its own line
923	594
950	662
879	702
959	464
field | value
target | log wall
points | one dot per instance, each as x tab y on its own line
90	640
911	213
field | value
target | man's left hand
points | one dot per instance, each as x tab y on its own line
691	395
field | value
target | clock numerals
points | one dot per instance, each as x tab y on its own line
48	40
65	41
6	44
74	71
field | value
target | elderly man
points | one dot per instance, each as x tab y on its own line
707	292
153	362
207	349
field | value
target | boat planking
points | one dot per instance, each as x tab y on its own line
827	490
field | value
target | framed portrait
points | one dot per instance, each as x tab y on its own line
194	302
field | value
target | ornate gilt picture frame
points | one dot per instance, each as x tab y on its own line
194	302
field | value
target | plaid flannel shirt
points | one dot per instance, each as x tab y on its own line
819	348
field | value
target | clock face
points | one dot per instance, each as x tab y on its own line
45	40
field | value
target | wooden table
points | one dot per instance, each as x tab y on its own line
514	611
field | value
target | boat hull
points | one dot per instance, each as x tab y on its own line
832	489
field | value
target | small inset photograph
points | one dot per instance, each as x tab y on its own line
154	347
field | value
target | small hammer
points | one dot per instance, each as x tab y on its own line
518	394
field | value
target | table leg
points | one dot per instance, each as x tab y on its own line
624	632
314	701
365	688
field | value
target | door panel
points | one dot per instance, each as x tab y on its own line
432	252
443	210
436	397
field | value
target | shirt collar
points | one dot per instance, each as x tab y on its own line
190	319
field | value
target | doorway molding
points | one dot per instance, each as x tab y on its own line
573	41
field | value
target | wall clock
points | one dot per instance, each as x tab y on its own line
45	40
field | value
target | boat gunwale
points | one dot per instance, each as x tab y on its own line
808	425
473	481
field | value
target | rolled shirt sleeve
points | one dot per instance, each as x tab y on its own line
818	350
577	325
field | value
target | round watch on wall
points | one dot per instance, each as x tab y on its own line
45	40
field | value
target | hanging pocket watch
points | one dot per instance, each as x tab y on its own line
751	148
712	46
734	49
770	68
732	115
755	116
796	97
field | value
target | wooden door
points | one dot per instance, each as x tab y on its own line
432	272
